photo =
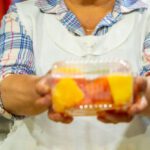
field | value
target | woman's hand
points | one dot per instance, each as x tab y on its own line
29	95
52	115
25	94
140	105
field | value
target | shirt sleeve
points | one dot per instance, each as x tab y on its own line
16	47
146	56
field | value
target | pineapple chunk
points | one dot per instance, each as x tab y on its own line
121	87
66	94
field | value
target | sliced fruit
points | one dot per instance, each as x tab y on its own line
98	90
121	88
66	94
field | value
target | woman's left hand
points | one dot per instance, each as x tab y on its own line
141	104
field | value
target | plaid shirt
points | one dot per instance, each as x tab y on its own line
16	46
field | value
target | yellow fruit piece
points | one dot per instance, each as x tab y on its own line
66	94
121	87
68	70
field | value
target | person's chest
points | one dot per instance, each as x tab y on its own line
55	43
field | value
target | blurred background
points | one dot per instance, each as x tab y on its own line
4	5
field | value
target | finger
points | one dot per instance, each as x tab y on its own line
44	101
55	117
139	106
67	118
40	105
59	117
114	117
117	118
103	119
43	86
140	83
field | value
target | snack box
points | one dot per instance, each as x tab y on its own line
85	87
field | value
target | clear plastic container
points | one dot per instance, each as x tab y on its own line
84	87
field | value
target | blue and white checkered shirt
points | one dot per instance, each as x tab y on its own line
16	46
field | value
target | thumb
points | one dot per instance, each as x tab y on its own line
140	101
140	84
43	85
139	106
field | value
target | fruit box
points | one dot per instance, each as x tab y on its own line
84	87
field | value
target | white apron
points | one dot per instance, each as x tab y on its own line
52	42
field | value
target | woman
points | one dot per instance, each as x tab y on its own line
35	34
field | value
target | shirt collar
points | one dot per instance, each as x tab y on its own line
69	20
52	6
59	7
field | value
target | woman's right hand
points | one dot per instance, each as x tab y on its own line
29	95
25	95
52	115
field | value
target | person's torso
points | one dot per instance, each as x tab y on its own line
52	43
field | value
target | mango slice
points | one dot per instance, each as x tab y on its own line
66	94
121	87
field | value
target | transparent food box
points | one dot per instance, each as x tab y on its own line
85	87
